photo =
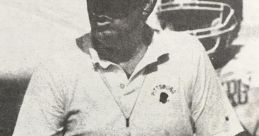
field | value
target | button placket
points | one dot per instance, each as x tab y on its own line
124	91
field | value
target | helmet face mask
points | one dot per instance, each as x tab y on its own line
204	19
211	21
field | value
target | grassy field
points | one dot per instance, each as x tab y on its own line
11	96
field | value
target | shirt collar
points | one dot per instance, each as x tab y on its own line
97	61
154	51
86	45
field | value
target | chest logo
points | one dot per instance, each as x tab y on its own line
163	92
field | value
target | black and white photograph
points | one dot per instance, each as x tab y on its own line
129	68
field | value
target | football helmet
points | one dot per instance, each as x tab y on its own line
214	22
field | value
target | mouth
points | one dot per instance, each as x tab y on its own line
103	22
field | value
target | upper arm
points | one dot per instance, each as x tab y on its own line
42	111
211	110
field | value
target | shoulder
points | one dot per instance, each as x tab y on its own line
180	43
67	62
179	40
182	47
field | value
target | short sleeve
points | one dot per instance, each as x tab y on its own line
42	111
212	113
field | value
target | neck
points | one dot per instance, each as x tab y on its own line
130	65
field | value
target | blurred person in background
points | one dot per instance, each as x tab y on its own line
216	23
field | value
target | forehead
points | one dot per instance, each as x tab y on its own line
117	3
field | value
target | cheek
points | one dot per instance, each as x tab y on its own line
127	24
121	24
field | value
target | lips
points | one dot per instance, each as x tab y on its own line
102	22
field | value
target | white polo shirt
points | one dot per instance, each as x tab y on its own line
173	91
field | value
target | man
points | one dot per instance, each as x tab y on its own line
127	79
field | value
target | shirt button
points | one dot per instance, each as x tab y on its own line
122	86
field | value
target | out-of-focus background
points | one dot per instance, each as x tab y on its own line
33	30
30	32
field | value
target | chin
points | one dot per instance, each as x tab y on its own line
108	37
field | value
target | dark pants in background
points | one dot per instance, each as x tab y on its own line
11	95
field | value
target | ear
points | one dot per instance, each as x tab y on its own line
148	8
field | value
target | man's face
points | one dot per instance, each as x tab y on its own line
112	20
